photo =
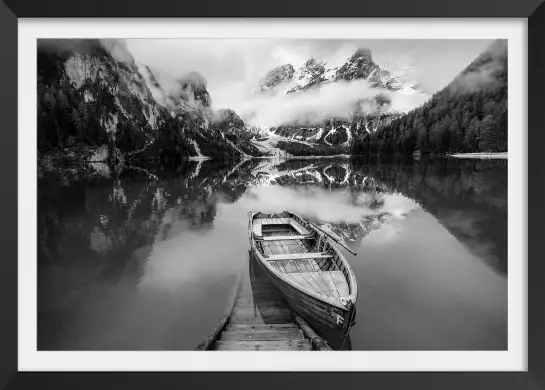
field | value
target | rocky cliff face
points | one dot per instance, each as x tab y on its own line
310	74
118	90
275	77
93	96
359	65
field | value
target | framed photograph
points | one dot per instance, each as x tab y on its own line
317	193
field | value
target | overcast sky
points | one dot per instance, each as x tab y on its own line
234	67
236	61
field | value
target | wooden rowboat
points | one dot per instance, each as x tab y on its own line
311	273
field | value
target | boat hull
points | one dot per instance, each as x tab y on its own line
330	322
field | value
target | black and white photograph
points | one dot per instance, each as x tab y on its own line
304	194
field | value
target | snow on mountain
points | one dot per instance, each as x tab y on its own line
312	73
282	74
368	113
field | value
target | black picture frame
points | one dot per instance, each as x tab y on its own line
531	10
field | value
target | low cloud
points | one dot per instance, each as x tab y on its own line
338	100
233	68
116	47
488	68
323	204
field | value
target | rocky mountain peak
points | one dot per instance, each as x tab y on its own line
276	76
359	66
313	63
307	76
191	88
362	54
366	114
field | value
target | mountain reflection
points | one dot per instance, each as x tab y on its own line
158	227
137	208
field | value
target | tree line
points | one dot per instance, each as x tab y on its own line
463	117
74	117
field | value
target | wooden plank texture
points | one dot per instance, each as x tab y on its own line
280	345
276	238
261	318
257	229
336	280
293	256
260	302
261	326
264	312
263	335
299	227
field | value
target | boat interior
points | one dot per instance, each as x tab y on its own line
300	254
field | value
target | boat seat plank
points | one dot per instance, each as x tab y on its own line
257	229
270	221
278	238
284	221
302	230
294	256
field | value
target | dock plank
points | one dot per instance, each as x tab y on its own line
262	335
279	345
262	302
247	327
259	320
263	312
260	317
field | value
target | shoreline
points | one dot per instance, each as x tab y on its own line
484	156
199	158
300	157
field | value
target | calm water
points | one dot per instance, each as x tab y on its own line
139	259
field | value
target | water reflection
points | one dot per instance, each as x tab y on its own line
128	253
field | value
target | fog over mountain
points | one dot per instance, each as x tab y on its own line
144	100
234	69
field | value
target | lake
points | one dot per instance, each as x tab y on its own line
132	258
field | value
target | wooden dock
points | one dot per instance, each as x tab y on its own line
259	319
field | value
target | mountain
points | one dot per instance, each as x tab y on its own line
95	103
276	76
359	65
311	136
188	95
310	74
468	115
